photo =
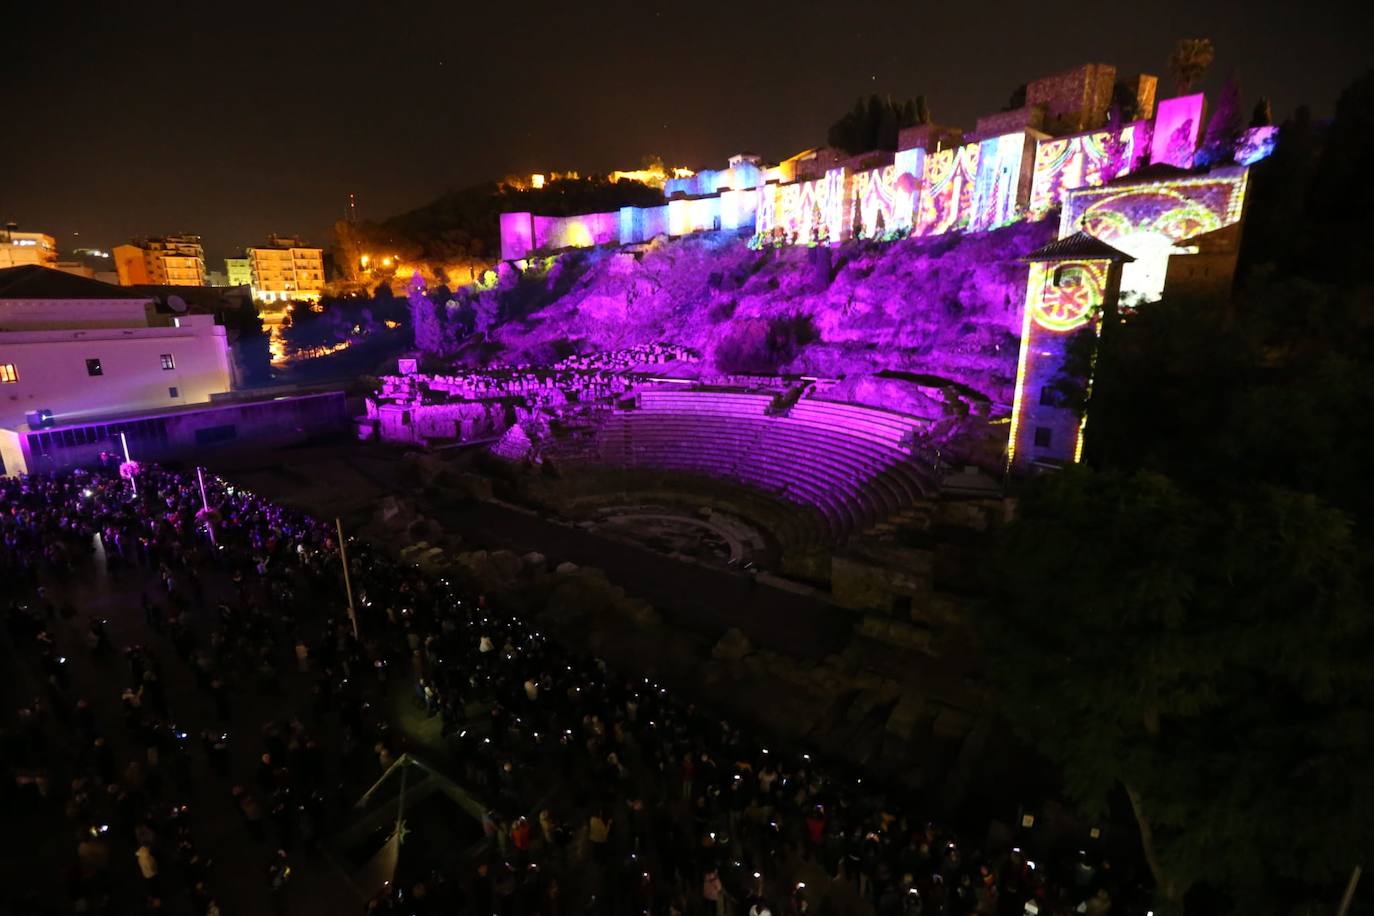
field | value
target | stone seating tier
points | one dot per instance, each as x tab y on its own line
845	460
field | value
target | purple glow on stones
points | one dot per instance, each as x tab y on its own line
1178	121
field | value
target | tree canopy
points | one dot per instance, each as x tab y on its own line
1189	61
464	226
873	124
1206	658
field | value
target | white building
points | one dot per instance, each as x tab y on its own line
73	348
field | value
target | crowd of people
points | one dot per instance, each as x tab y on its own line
604	792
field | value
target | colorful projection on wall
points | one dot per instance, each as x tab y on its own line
883	200
996	188
803	211
947	190
582	231
910	162
1062	295
1255	144
1084	160
1178	122
517	235
1148	220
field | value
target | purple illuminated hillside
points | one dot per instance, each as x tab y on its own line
947	307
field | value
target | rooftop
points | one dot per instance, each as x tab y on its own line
33	281
1080	245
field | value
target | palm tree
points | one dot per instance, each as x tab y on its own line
1191	58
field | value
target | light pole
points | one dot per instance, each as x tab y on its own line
1349	892
124	441
205	507
348	583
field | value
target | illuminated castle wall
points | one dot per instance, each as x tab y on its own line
743	173
1178	124
522	233
1120	245
818	196
883	200
1152	219
802	211
1065	163
1003	180
946	201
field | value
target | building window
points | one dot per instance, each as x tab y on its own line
1049	397
172	392
1042	436
93	367
8	374
1068	276
168	362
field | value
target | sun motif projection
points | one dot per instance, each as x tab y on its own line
947	190
1085	160
1148	220
1064	295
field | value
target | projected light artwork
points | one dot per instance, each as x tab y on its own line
910	162
973	187
997	187
1148	220
1063	295
1255	144
1084	160
947	190
1178	122
882	201
1063	298
802	211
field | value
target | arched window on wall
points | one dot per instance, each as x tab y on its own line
1068	275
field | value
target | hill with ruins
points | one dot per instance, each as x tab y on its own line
945	310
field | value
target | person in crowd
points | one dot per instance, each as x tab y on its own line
679	806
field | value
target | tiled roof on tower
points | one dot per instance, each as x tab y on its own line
1080	245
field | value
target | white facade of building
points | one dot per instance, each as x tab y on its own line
83	357
80	373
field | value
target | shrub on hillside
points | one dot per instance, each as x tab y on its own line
763	346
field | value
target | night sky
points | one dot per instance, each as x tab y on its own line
235	120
